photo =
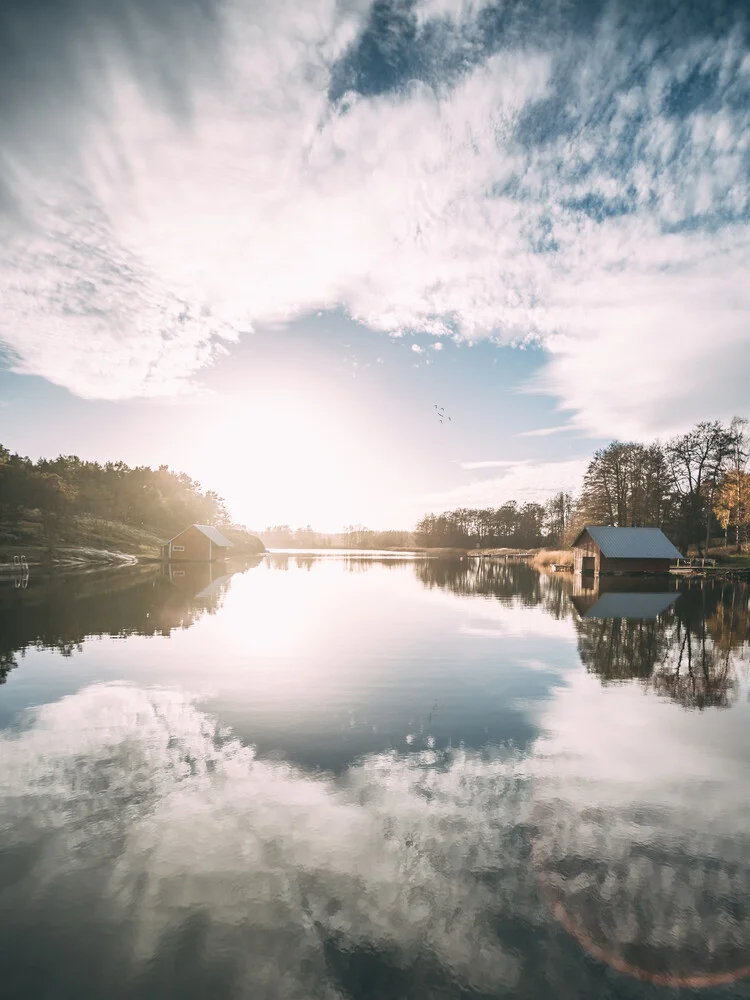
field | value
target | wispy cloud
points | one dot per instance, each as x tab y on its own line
502	463
546	431
525	482
566	187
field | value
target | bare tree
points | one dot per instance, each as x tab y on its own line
557	516
697	461
627	485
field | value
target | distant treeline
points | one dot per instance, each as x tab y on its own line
354	536
56	490
694	487
509	526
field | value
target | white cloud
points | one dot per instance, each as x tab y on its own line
523	481
437	346
268	203
426	209
417	349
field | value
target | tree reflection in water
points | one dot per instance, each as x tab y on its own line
59	611
508	582
690	650
685	641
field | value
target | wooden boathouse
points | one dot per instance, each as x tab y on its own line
602	550
198	543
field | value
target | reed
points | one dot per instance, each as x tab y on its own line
553	557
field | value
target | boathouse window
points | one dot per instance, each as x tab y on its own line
178	548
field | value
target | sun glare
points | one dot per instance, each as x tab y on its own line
277	456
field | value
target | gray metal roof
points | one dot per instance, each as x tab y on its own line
630	605
214	534
632	543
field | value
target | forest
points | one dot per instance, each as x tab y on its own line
52	493
695	487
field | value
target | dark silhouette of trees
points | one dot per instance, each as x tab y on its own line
620	649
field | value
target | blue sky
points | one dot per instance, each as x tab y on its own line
260	242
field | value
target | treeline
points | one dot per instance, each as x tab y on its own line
694	487
529	525
354	536
54	491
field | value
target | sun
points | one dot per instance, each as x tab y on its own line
277	456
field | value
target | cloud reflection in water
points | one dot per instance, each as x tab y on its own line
423	860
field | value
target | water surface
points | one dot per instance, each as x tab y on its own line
373	777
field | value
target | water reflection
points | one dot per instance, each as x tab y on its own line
146	851
511	583
349	560
60	611
685	641
684	644
641	832
294	875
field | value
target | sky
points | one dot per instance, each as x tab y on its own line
261	242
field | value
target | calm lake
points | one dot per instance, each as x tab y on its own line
372	777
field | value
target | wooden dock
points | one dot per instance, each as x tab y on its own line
698	567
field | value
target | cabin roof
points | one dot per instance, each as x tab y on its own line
210	532
631	543
637	605
214	534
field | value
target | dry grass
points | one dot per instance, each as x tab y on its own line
546	558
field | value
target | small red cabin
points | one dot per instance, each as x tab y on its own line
198	543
